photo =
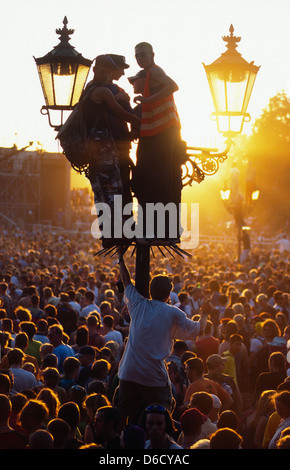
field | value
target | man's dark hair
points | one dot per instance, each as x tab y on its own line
235	338
160	287
14	356
180	346
70	364
108	320
145	45
195	363
21	340
70	413
89	295
50	310
35	299
203	401
29	328
111	413
157	409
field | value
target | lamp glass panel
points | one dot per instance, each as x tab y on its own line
230	123
228	90
81	78
44	71
63	79
251	81
63	85
235	95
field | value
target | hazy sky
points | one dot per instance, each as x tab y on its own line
184	34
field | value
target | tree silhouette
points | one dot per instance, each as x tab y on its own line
267	150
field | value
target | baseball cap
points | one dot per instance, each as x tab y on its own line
215	360
120	61
191	420
140	74
106	62
86	350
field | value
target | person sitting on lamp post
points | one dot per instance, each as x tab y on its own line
157	175
104	171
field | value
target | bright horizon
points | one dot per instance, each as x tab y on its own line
183	34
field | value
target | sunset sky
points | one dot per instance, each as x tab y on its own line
183	33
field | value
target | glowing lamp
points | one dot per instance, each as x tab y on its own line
255	195
225	194
231	79
63	73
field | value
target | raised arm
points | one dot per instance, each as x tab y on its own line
124	272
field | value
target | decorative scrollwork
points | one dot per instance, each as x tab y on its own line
202	162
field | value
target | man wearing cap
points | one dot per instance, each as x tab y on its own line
215	366
157	176
86	356
96	108
138	82
119	126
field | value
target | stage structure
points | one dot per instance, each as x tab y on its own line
34	187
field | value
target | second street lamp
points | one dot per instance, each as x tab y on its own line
231	79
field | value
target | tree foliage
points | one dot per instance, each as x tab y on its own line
267	150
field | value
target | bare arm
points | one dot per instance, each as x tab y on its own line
102	94
158	78
124	272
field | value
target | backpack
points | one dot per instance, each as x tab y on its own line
78	143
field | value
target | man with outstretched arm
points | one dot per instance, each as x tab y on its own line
153	327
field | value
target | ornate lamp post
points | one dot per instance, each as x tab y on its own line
63	73
231	79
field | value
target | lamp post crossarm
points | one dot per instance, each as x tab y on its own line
202	161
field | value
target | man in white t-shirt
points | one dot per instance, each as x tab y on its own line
110	334
22	379
90	306
154	325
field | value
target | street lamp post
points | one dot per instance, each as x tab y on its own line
63	73
240	208
231	79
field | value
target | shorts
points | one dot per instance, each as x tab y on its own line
132	398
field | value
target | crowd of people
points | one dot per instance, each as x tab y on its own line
65	325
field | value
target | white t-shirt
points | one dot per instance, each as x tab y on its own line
117	337
256	344
154	325
23	380
85	311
